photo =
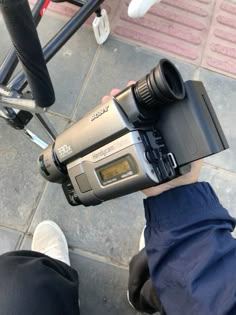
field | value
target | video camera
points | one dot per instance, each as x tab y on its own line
146	135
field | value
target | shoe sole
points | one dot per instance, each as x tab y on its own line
129	301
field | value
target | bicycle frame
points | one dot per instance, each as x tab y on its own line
14	87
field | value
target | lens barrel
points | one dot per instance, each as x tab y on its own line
163	85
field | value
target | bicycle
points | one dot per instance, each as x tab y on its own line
16	106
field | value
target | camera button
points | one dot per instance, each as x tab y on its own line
83	183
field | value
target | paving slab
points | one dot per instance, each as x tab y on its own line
25	243
9	239
222	92
103	288
21	184
112	229
117	64
5	40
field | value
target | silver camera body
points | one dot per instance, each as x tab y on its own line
120	164
148	134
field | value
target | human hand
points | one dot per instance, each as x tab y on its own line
114	92
189	178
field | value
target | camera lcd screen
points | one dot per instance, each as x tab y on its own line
116	170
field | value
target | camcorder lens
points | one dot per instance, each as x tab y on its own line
163	85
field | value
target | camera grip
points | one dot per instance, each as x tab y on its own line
19	21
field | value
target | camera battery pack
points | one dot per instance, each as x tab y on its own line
191	128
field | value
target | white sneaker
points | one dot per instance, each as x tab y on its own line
49	239
139	8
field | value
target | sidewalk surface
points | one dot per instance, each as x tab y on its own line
200	37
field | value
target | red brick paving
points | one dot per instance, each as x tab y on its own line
201	32
220	53
174	27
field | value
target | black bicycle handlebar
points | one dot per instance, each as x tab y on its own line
19	21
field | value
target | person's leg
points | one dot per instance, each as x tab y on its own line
35	284
141	293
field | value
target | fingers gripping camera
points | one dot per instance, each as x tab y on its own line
146	135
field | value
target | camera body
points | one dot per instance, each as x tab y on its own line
146	135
